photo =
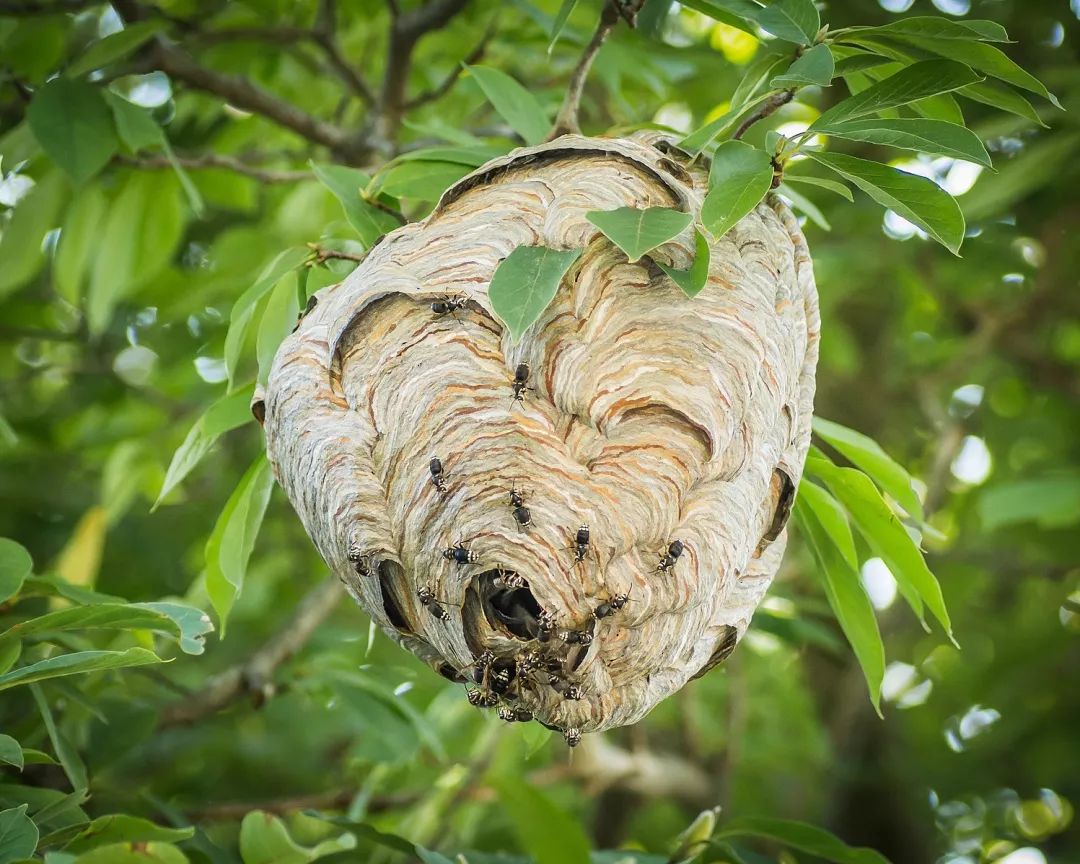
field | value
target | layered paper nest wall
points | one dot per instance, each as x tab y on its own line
654	418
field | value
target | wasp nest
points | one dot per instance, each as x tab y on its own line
576	525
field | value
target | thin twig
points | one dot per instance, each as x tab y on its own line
324	35
231	811
215	160
566	122
770	105
444	87
322	254
254	676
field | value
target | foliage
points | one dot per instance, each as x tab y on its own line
178	179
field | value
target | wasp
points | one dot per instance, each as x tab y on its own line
520	383
361	561
610	607
448	305
438	477
515	715
581	543
668	559
459	553
517	506
508	579
482	699
577	637
574	693
312	302
547	625
426	595
572	736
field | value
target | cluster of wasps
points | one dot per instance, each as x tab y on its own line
503	682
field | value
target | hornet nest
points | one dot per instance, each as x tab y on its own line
576	525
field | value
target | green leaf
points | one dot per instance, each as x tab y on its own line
115	47
985	58
102	616
794	20
551	835
193	623
693	279
74	126
78	237
701	138
740	14
740	178
1004	98
559	23
63	748
804	204
942	28
18	835
15	565
120	827
264	839
10	752
135	125
278	319
828	535
917	199
859	63
525	283
233	538
838	188
473	156
133	853
867	454
884	533
924	136
914	82
224	415
803	837
127	259
516	105
77	663
345	183
244	308
637	232
816	66
1050	502
420	180
9	653
31	219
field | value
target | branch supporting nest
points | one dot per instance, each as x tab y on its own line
254	677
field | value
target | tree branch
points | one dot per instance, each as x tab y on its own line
323	34
406	29
566	122
450	80
214	160
253	677
769	106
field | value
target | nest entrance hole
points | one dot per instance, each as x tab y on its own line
390	574
513	610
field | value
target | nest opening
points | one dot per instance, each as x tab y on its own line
450	673
389	576
512	609
785	497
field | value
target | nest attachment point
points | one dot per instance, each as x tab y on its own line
578	553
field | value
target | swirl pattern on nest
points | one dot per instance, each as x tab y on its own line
653	417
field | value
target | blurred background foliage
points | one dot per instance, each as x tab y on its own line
967	370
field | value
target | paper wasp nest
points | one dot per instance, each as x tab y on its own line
646	416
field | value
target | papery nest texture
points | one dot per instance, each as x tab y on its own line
579	553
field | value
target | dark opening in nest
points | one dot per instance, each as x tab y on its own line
513	609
